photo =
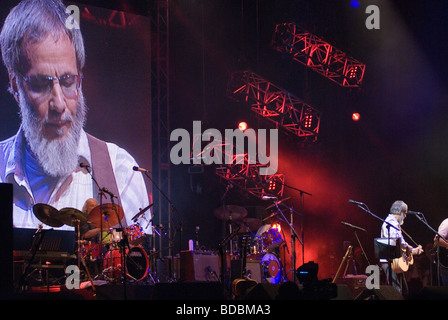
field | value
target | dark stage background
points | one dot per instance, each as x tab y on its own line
396	151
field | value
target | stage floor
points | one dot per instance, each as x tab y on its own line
214	291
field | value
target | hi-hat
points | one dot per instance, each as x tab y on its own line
48	215
105	215
230	212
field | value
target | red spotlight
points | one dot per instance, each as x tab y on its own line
242	126
356	116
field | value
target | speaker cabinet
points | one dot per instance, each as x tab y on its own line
383	293
199	266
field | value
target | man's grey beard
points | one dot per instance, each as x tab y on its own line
57	157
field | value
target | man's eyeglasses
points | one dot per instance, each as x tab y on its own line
42	85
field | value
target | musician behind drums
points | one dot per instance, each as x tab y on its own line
88	232
391	229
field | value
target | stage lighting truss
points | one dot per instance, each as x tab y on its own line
275	104
246	177
318	55
240	170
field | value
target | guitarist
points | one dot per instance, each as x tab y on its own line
396	217
443	231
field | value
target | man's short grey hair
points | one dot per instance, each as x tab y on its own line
32	21
398	206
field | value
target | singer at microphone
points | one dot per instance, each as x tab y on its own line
391	229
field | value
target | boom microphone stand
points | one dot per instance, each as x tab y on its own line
364	207
294	234
421	217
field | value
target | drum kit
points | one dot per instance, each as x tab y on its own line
252	239
117	246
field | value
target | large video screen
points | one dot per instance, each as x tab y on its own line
48	146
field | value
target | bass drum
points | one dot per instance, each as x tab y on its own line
137	264
271	268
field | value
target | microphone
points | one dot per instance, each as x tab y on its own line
84	165
355	202
414	213
108	192
269	197
139	169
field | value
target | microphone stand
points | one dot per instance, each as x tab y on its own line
302	208
355	229
294	235
101	194
173	209
364	207
438	236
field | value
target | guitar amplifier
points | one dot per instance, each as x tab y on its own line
253	270
199	266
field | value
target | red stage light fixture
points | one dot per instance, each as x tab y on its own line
356	116
242	126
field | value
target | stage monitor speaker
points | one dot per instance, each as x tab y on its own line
263	291
6	240
355	283
383	293
199	266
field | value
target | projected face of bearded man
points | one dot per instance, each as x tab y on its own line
51	103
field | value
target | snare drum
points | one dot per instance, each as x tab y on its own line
137	264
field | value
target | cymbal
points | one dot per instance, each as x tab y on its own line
70	215
107	215
230	212
48	215
249	224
